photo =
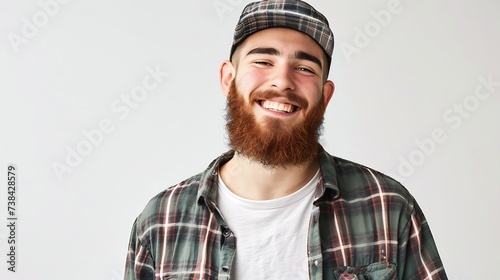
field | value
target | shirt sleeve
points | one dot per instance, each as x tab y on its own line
418	257
140	264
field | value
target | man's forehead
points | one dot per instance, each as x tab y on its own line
283	40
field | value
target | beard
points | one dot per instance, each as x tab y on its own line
273	142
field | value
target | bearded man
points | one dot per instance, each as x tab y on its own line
277	205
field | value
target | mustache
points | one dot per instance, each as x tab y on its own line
269	94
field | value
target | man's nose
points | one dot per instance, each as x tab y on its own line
282	79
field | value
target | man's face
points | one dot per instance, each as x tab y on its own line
276	100
284	61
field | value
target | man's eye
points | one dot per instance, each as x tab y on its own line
262	63
305	70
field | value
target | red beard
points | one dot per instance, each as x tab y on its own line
273	143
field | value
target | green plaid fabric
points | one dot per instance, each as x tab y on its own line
363	224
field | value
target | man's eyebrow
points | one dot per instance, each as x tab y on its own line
310	57
270	51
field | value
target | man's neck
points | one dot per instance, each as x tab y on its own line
252	180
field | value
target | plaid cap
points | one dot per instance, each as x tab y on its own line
293	14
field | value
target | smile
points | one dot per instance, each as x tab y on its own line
278	107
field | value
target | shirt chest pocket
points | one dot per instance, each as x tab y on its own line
376	271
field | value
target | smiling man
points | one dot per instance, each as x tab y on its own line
277	205
277	93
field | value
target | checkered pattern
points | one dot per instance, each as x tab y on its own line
361	222
293	14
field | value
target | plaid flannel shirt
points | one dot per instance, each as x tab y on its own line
363	223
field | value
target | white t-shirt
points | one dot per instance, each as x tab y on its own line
271	235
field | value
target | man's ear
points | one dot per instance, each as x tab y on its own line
226	75
328	89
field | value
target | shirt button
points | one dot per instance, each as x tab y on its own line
226	233
316	263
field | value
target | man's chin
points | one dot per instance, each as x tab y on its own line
276	125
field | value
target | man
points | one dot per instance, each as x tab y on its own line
278	206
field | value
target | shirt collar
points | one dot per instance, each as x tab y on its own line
328	181
327	184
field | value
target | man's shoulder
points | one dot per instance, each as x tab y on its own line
354	178
346	167
178	198
181	203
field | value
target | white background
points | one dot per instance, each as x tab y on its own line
61	77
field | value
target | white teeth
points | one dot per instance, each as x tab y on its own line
275	106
